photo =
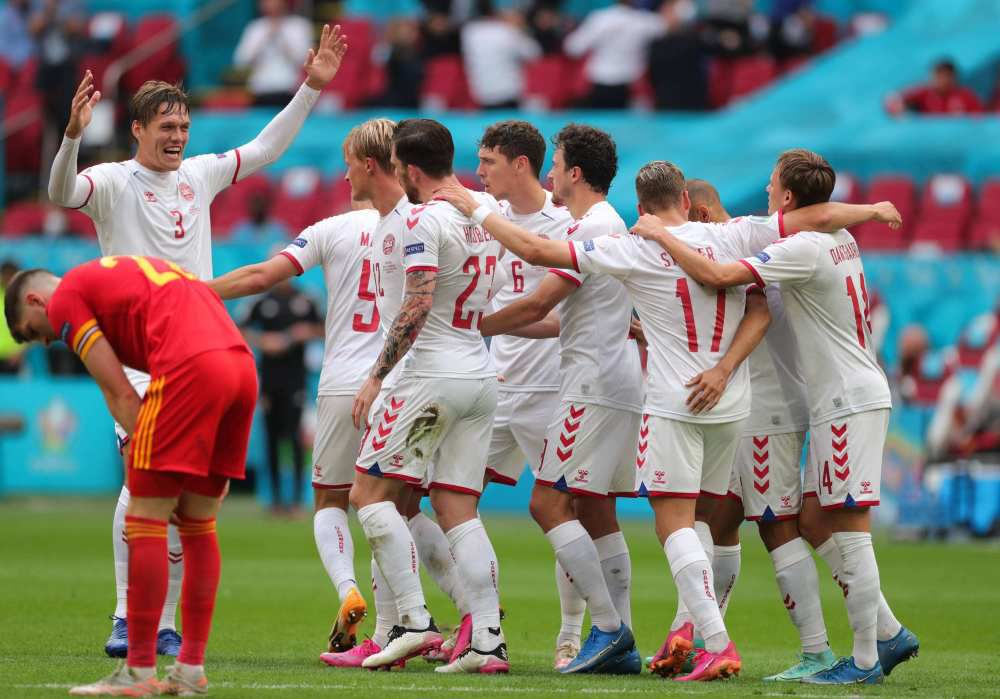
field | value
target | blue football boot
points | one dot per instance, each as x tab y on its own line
117	644
846	672
599	648
898	649
168	642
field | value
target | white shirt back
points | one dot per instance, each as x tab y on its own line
342	246
495	52
387	266
688	327
160	214
599	364
823	286
438	237
523	364
617	39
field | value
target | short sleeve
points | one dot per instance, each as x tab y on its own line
305	252
610	254
788	261
106	182
748	235
74	321
573	275
218	170
421	242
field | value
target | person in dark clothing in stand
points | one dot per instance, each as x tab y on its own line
278	327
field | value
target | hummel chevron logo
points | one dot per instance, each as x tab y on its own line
567	442
411	222
760	458
789	603
388	417
761	487
572	229
760	442
576	414
644	431
840	459
563	455
384	431
838	431
839	446
396	405
570	426
761	473
842	475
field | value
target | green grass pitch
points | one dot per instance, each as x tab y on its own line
275	607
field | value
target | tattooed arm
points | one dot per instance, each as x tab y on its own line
418	296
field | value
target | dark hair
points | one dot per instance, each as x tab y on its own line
515	138
807	175
8	267
946	64
591	150
659	186
12	300
146	102
426	144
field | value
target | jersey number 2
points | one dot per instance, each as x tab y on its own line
358	323
459	319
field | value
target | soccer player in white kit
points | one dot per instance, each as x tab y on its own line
588	453
823	286
441	408
158	204
511	155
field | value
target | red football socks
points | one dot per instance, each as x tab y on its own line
202	566
147	586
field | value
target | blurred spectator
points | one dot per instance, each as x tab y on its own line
273	47
404	64
942	95
547	25
727	26
439	30
792	33
617	39
59	30
495	49
678	61
260	229
278	326
913	346
16	42
11	352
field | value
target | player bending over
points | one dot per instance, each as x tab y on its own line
189	432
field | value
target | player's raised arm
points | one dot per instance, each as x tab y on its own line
253	279
831	216
321	65
66	188
528	246
701	269
708	386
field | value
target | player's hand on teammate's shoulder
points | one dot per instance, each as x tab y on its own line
649	227
458	196
885	212
323	62
82	109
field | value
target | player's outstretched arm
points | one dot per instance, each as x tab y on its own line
66	188
831	216
528	246
253	279
532	309
546	328
701	269
321	65
708	386
123	402
418	297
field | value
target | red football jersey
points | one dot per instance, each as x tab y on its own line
155	314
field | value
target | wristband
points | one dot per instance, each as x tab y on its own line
480	214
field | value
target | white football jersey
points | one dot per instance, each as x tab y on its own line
778	404
599	364
826	298
437	237
523	364
342	245
160	214
688	327
387	265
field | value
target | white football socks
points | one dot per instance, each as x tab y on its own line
571	607
726	562
336	548
683	614
119	545
396	555
692	574
860	575
612	551
480	574
798	585
175	576
386	611
887	626
578	556
436	557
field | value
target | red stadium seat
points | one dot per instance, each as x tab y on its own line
945	209
731	78
549	82
469	180
358	77
227	100
989	201
825	33
23	218
847	189
445	85
298	198
165	63
23	147
6	77
79	223
335	198
232	206
897	189
109	39
878	237
944	233
984	235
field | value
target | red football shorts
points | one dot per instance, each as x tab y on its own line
194	425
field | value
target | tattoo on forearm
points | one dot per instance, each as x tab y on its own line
417	300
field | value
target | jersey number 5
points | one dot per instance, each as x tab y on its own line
459	319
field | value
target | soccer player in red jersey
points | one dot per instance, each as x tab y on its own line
189	432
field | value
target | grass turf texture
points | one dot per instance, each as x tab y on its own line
275	607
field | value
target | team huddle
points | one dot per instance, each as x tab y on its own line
755	330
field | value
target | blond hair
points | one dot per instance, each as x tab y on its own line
372	139
659	186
